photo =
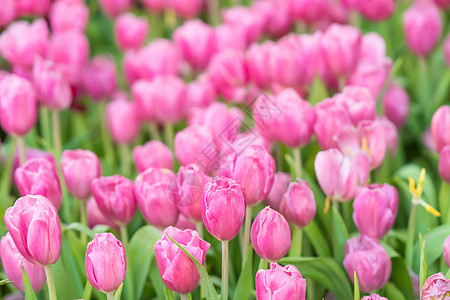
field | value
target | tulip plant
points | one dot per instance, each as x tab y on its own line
225	149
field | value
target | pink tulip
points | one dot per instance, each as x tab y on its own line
113	8
444	163
254	168
96	217
115	198
298	204
123	121
290	121
270	235
69	14
390	134
18	105
153	154
177	270
374	297
154	198
22	42
435	287
160	57
52	87
34	226
70	49
130	31
105	263
358	102
13	262
371	75
227	71
340	49
444	4
446	251
200	92
183	223
99	78
373	48
330	116
33	7
229	37
79	168
446	49
168	95
372	264
427	140
374	209
440	127
188	188
144	94
196	41
223	208
38	176
30	154
396	104
242	18
186	9
280	283
278	21
279	187
132	65
195	145
8	12
309	11
155	5
257	57
423	27
377	10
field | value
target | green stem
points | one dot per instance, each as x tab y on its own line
110	296
125	159
296	246
279	156
444	202
45	125
154	132
224	292
83	220
248	222
56	126
298	162
21	148
50	282
106	138
6	176
411	234
168	134
423	88
124	236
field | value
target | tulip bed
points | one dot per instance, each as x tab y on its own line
233	149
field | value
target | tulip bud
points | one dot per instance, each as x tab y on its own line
440	127
358	102
22	42
436	286
38	176
280	283
130	31
228	37
423	26
34	226
374	297
79	168
444	163
17	98
257	57
201	93
122	119
374	209
160	57
196	41
105	263
396	104
69	14
279	187
8	12
115	198
446	49
270	235
298	204
13	261
153	154
369	260
51	86
223	208
99	78
113	8
377	10
95	216
177	270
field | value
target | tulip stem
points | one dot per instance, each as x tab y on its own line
411	234
106	138
124	236
423	88
298	162
154	132
50	282
248	222
110	296
6	176
184	297
21	148
168	134
224	292
444	202
125	159
56	126
296	246
45	125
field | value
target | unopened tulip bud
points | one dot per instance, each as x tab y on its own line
396	104
223	208
34	226
115	198
99	78
298	204
13	262
38	176
105	263
440	127
280	185
154	154
444	163
123	121
69	14
114	8
372	264
270	235
377	10
280	283
436	286
177	270
80	167
130	31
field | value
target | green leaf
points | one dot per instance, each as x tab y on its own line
391	291
400	277
169	295
29	293
356	294
423	264
435	242
317	239
325	271
87	291
210	291
89	232
118	293
156	280
63	285
70	264
244	284
318	91
5	281
340	235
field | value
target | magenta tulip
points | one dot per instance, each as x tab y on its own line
114	8
122	119
186	9
115	198
440	127
223	208
358	102
377	10
372	264
34	226
444	163
270	235
105	263
69	14
130	31
298	204
153	154
279	187
444	4
38	176
435	287
96	217
177	270
309	11
257	57
79	168
281	283
99	78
